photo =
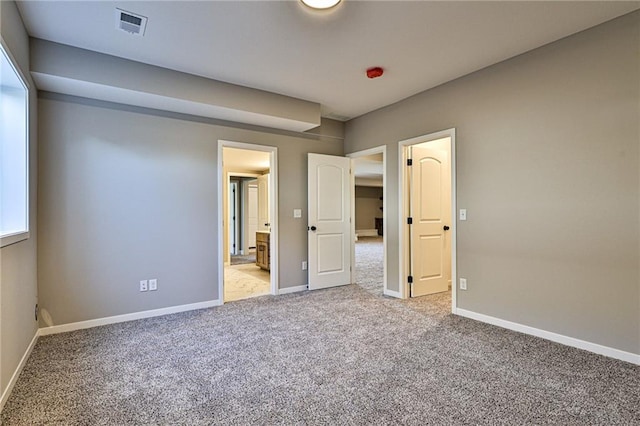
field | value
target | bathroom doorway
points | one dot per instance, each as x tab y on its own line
248	197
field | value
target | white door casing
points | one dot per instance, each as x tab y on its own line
430	210
329	215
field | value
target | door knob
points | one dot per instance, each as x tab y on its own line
446	228
312	228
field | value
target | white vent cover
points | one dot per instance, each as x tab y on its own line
130	22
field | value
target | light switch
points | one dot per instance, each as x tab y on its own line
463	214
297	213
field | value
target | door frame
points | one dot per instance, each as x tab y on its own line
273	209
376	150
227	182
403	229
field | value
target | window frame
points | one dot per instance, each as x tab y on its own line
6	240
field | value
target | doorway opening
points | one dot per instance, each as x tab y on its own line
247	199
368	224
427	222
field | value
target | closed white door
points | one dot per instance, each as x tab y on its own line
430	209
329	214
263	203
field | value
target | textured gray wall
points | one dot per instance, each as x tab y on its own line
18	285
367	206
129	194
548	168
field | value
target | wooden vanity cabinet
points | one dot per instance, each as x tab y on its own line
263	251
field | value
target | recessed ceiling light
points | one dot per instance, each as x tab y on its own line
320	4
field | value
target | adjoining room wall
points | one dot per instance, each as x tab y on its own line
18	278
129	194
548	168
368	205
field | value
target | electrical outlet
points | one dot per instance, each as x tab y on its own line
463	283
153	284
143	285
304	265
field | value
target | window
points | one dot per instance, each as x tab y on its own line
14	146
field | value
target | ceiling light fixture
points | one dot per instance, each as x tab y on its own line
320	4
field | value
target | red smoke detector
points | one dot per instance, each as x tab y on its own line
375	72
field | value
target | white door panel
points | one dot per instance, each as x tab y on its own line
431	212
253	215
329	213
263	202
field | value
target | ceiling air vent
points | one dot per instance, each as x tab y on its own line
130	22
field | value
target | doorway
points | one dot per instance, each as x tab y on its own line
427	210
247	199
369	223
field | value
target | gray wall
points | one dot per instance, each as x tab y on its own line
129	194
367	207
548	168
18	285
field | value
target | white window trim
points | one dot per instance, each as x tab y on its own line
23	235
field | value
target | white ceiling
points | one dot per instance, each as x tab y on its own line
284	47
245	161
369	166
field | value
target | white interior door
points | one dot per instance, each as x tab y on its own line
263	203
252	215
329	214
431	215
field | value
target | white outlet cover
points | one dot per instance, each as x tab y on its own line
153	284
143	285
297	213
463	283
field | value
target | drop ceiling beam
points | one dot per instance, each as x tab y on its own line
69	70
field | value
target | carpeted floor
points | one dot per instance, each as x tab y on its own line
338	356
369	260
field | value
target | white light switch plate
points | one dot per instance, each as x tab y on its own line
297	213
153	284
463	283
463	214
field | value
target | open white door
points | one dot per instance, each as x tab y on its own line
431	217
329	214
263	203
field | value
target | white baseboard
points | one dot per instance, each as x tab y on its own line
366	232
127	317
554	337
16	374
288	290
392	293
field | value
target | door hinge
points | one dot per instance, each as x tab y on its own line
409	221
410	279
409	162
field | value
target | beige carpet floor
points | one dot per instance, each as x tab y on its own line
343	356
